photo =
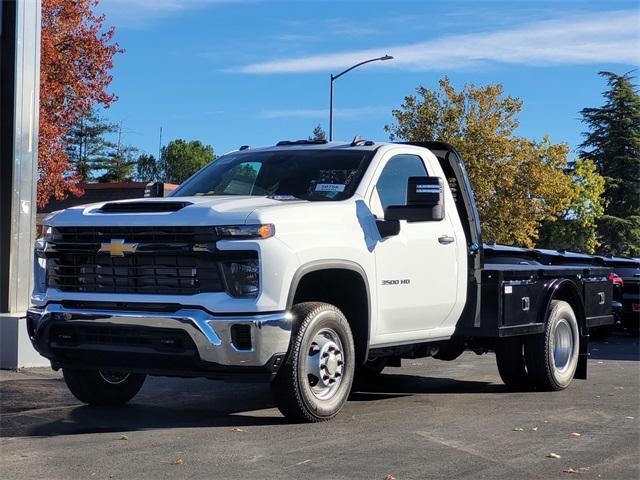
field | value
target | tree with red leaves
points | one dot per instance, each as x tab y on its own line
76	57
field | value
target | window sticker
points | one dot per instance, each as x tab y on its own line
330	187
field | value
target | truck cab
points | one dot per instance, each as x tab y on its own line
305	264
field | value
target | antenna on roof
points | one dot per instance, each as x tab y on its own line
358	140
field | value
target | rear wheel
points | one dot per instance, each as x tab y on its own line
314	382
552	356
98	387
511	363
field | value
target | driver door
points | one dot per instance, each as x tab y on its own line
416	270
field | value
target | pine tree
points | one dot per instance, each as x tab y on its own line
319	134
88	146
613	143
119	163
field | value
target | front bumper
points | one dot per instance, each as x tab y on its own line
145	341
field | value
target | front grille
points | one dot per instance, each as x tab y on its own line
136	273
86	336
167	260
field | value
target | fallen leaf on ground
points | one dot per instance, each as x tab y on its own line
518	429
123	437
389	477
575	434
570	470
553	455
237	430
178	461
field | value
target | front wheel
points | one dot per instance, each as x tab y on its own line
98	387
314	382
552	356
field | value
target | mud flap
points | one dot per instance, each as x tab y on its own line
583	356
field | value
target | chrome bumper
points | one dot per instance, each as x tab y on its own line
211	334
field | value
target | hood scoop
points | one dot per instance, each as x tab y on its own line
142	207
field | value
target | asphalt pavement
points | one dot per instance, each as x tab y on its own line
427	420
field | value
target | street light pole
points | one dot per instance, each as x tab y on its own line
334	77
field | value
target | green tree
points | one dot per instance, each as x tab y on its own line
88	144
181	159
518	183
119	164
318	134
613	143
147	168
577	229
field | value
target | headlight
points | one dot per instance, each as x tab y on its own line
41	243
242	277
245	231
47	233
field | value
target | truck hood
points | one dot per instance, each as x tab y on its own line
194	211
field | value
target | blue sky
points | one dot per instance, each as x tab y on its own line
230	72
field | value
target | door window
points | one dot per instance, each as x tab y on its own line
392	184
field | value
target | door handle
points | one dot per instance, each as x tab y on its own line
446	239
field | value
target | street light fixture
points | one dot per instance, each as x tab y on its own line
333	77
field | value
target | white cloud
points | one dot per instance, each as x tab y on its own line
607	37
324	112
137	13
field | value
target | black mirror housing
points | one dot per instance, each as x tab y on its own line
154	190
425	201
388	228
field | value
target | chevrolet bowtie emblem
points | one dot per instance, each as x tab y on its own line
117	247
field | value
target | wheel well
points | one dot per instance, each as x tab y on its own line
567	292
345	289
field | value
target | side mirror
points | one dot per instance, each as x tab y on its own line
425	201
388	228
154	189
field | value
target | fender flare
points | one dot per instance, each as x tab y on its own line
556	288
334	264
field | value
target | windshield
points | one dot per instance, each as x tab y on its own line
305	174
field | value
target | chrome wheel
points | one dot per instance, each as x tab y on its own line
325	364
113	378
563	345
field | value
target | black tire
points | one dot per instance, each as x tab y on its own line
295	390
511	363
552	368
102	388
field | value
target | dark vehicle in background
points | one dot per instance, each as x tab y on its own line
626	289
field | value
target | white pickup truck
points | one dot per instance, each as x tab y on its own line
304	264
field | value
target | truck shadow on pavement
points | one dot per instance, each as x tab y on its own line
46	408
402	385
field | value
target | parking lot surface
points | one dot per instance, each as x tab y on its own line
429	419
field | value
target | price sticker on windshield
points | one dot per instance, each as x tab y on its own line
330	187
